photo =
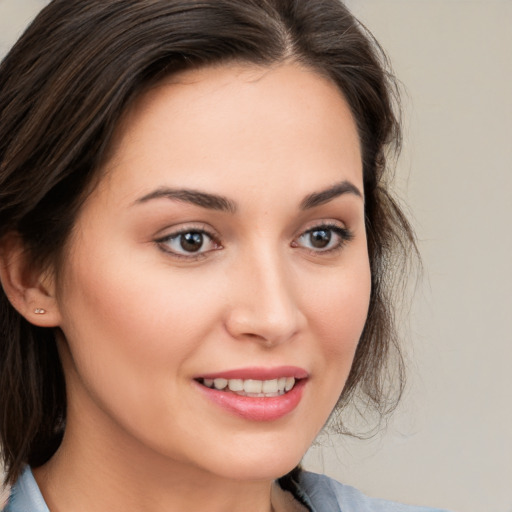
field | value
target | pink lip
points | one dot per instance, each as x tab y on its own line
255	408
259	373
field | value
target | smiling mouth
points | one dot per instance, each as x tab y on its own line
251	387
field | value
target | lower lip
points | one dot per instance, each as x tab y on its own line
256	408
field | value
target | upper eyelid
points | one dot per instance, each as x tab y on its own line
319	223
174	231
178	229
325	224
332	227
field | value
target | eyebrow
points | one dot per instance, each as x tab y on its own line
202	199
221	203
324	196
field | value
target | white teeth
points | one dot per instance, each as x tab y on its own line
236	384
290	382
220	383
269	386
252	387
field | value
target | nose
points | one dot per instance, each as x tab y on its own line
264	304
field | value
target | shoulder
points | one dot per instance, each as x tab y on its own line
327	495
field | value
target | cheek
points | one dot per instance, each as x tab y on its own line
132	332
130	328
339	312
340	307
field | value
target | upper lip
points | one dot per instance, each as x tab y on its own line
258	373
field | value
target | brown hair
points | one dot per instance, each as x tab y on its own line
64	87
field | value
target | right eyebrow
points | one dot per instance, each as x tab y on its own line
196	197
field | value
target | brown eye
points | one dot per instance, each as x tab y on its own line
188	243
324	238
191	242
320	238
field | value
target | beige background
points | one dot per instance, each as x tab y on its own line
450	444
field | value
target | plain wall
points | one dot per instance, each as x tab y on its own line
450	443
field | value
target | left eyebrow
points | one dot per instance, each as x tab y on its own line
324	196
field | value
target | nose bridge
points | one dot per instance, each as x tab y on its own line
265	304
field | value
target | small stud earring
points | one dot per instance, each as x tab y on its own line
39	311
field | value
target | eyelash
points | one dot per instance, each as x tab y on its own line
344	236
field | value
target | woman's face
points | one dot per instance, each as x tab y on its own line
224	247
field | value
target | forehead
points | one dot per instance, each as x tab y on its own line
239	123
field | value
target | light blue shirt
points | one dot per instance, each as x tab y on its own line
319	492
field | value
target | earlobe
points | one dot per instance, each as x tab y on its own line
30	290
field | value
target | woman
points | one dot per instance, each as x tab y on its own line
196	246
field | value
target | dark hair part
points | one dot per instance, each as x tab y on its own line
63	89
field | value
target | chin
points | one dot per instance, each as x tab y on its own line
267	470
273	459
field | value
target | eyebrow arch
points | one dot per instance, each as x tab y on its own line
202	199
324	196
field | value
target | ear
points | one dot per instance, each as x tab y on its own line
30	290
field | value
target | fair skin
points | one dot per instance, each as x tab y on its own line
161	289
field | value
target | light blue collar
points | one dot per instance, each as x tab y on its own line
25	495
318	492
